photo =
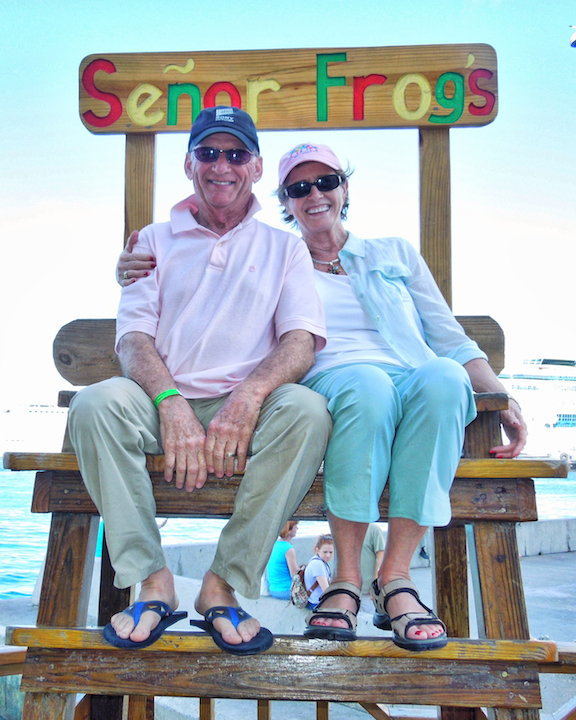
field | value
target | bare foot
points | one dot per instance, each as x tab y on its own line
406	603
158	586
340	600
214	592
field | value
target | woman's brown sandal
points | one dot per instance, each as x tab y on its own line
329	632
401	623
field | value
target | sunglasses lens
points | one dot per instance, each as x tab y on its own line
299	189
327	182
303	188
238	157
206	154
210	155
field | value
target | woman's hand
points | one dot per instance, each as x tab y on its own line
515	429
131	265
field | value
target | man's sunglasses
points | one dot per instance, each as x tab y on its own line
303	188
210	155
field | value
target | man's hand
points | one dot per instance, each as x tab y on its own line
183	439
230	432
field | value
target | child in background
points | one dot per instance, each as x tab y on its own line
317	574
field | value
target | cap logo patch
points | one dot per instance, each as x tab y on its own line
303	149
224	113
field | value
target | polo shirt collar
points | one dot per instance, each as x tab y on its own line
182	214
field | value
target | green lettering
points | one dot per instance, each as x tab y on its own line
174	92
323	82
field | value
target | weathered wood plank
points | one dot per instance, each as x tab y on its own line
11	660
83	350
175	641
566	659
435	218
342	679
467	468
450	579
48	706
511	499
139	182
500	576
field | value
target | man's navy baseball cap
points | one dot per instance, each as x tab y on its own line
224	119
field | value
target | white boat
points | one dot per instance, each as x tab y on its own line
545	388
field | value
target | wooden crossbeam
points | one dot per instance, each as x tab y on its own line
11	660
467	468
196	642
269	676
480	499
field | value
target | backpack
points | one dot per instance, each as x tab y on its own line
299	595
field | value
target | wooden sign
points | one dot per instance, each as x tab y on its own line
352	88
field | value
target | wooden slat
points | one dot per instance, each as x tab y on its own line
566	659
139	187
69	561
467	468
489	499
11	660
175	641
435	227
343	679
83	350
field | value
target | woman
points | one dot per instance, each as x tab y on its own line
317	574
282	565
399	375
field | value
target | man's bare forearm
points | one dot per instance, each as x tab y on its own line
140	362
287	363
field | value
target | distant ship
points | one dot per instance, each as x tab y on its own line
546	391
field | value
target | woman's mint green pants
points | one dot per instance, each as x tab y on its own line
401	425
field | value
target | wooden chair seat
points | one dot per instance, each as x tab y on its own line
489	496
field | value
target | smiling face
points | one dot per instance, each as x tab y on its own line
220	186
318	212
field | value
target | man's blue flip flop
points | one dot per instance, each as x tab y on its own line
236	615
167	618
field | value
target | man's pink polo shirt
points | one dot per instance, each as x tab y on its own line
217	306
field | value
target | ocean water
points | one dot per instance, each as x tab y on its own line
24	535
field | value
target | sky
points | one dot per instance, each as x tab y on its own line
513	187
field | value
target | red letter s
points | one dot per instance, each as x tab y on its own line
92	90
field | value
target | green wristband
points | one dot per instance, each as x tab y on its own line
165	394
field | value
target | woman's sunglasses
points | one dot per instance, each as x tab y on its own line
303	188
210	155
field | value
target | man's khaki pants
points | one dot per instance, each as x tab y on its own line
113	424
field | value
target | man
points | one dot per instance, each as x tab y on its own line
370	561
211	344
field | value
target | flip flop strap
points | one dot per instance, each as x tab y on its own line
157	606
235	615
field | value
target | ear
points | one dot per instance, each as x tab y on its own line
188	165
258	169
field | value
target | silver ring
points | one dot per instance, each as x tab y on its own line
125	274
230	455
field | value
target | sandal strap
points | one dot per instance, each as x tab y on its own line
334	614
414	620
402	586
341	588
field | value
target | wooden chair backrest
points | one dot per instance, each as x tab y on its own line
84	349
